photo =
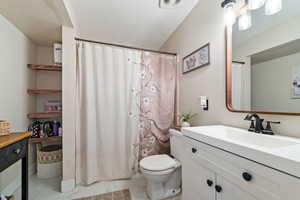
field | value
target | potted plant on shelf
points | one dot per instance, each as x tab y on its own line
185	118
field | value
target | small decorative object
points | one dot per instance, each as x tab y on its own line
185	118
296	82
53	106
56	127
197	59
48	128
4	127
36	128
57	52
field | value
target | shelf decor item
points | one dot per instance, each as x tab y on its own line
53	106
57	52
49	161
197	59
4	127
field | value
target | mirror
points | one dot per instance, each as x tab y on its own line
263	62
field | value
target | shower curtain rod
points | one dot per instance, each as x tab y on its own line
124	46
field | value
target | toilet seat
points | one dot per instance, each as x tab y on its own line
158	163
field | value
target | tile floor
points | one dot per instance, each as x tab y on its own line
118	195
48	189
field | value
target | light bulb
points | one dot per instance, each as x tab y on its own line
273	7
255	4
230	15
245	20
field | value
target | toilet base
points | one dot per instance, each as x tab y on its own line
157	192
170	188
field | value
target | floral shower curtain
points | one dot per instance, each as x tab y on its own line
125	106
158	84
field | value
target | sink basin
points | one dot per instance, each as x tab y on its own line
278	152
264	141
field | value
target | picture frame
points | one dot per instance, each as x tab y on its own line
295	82
197	59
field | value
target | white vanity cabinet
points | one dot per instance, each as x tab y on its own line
210	173
200	185
230	191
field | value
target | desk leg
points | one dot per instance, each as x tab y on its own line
25	175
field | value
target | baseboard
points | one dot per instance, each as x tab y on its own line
16	183
67	185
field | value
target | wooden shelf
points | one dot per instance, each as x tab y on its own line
45	67
44	115
46	139
43	91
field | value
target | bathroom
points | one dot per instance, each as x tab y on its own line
91	81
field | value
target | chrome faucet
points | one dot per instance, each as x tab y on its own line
258	126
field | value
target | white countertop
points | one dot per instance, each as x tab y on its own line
279	152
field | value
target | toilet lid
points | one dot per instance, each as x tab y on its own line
158	163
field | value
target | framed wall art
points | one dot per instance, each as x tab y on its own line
296	82
197	59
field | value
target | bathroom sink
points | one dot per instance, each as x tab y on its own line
278	152
264	141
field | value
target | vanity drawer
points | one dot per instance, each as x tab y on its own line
257	179
12	153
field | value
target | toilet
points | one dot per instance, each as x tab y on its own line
162	172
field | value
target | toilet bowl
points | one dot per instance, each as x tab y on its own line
163	176
162	172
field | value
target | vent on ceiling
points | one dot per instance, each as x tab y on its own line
168	4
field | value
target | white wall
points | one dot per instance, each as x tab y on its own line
16	51
69	88
271	85
206	24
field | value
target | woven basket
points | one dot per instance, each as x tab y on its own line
4	128
47	157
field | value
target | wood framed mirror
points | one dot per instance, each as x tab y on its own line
263	63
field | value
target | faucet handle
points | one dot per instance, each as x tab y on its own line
271	122
248	117
268	129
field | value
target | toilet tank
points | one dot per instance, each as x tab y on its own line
176	143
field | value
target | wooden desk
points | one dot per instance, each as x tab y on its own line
14	147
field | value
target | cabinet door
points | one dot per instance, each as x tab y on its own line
197	181
225	190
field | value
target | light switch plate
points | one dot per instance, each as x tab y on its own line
203	103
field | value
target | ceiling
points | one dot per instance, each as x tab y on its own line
40	20
139	23
276	52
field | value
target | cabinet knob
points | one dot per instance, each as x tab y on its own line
209	182
17	151
218	188
194	150
247	177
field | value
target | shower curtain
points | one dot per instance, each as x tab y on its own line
125	103
241	87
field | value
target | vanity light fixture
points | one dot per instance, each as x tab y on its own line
255	4
245	20
244	14
273	7
230	15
